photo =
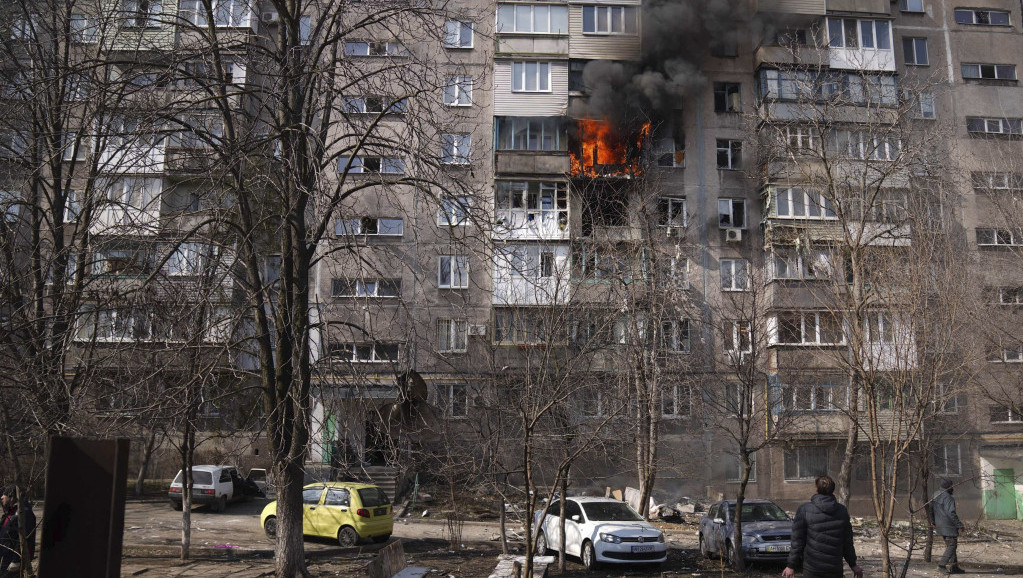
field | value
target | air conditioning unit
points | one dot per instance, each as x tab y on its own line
269	17
733	235
477	330
672	231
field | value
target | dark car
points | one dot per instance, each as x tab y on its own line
766	531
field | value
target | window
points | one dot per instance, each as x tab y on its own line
812	397
729	154
452	335
457	34
887	206
456	402
797	203
12	143
921	105
142	13
593	403
610	20
593	262
190	258
669	146
305	30
385	227
531	204
862	145
915	51
520	325
738	339
1005	414
675	336
997	182
124	324
372	164
982	17
458	91
363	352
532	19
528	261
337	497
911	5
455	148
799	139
801	264
365	287
946	399
453	272
312	495
374	48
72	205
738	398
133	192
735	275
727	97
806	462
809	328
733	470
880	327
946	459
673	212
732	213
531	133
852	33
75	149
453	211
84	29
1007	295
1005	353
23	28
531	76
677	401
1006	126
226	13
375	105
989	71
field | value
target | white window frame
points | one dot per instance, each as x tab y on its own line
725	90
70	142
1010	415
387	165
374	48
800	138
915	51
535	14
375	105
810	321
676	397
911	5
946	454
987	71
738	333
736	400
728	208
84	29
189	259
452	335
997	181
352	349
998	237
880	34
458	91
677	336
944	403
674	212
810	200
975	17
361	226
456	270
541	76
455	34
881	327
734	271
732	149
800	264
734	461
462	393
610	20
141	13
921	105
456	148
365	288
453	212
530	203
821	397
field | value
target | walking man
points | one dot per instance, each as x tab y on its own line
822	536
10	538
947	524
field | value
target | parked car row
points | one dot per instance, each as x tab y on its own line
605	530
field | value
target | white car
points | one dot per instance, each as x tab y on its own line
600	530
213	486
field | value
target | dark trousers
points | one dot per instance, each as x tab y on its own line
949	558
822	574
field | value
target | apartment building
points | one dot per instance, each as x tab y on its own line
679	231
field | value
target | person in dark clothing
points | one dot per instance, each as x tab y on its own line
10	539
822	536
947	524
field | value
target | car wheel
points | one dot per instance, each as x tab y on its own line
729	554
220	505
541	545
589	557
346	536
381	539
270	527
176	505
703	548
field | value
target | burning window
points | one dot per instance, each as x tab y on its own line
600	149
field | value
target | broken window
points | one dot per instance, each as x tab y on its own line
531	204
806	462
729	154
390	227
732	213
604	205
670	145
727	97
672	212
379	352
738	339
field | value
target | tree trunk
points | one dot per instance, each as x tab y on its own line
561	525
740	497
186	487
844	482
147	455
504	521
290	560
929	537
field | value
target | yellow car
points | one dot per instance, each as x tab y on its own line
347	511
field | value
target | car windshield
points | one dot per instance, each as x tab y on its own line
198	478
610	512
759	513
371	497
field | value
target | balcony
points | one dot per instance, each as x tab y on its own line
520	44
532	162
809	7
785	55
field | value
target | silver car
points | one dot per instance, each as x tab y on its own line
766	531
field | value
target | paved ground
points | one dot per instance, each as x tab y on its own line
231	545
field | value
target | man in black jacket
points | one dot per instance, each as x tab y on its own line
10	537
822	536
947	524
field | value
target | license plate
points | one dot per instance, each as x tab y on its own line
778	548
642	548
380	512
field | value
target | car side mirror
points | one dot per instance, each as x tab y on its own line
719	521
575	518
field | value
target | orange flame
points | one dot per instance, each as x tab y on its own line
602	152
